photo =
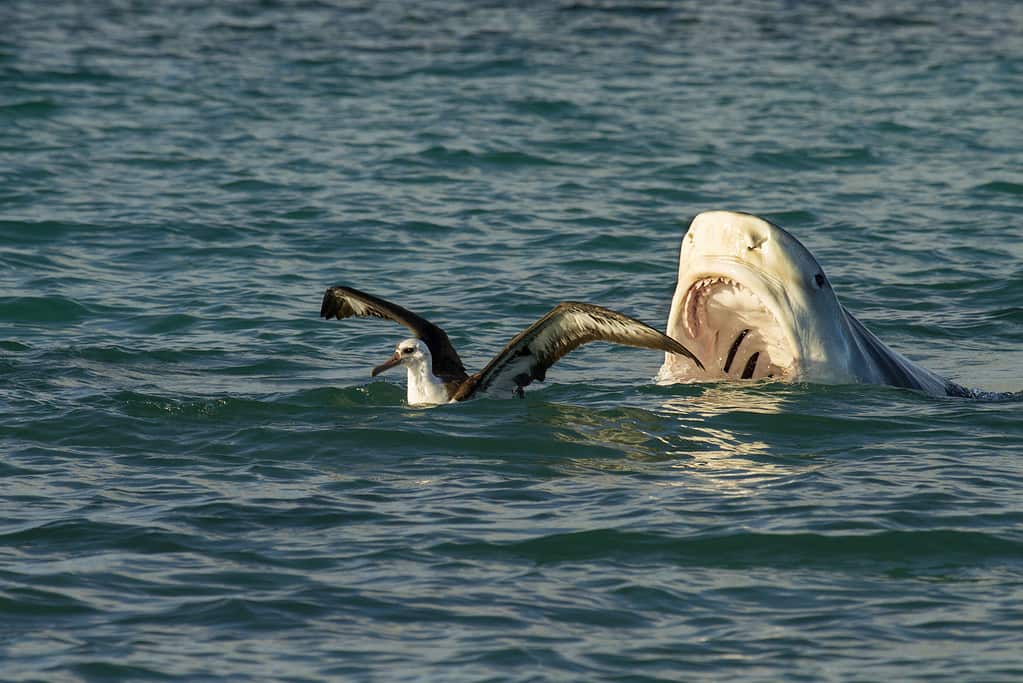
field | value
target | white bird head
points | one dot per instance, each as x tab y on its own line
412	353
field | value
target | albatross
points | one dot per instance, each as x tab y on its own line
436	374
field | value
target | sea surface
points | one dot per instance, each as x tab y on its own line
199	480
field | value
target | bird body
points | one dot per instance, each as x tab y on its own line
435	371
423	385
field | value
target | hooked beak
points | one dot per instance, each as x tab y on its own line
391	362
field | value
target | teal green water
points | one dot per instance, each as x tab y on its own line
200	482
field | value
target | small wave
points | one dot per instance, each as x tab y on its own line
304	213
29	109
121	355
996	396
249	408
463	69
815	158
1000	187
76	74
143	405
375	393
39	232
163	324
252	185
97	670
544	107
234	517
11	345
675	194
616	244
590	265
262	367
35	602
793	218
493	158
894	21
239	26
751	549
243	611
626	9
34	309
73	533
11	470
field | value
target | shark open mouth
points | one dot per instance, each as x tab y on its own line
733	332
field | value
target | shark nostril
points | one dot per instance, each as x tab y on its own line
755	242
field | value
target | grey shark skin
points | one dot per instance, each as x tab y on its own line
753	303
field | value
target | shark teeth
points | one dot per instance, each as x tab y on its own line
696	299
720	315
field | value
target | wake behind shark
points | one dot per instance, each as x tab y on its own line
753	303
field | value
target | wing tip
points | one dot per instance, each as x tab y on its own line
333	304
679	350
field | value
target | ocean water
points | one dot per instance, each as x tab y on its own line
199	481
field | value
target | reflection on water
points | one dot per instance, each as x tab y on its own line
713	442
624	430
717	428
701	417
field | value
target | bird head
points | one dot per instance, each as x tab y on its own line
412	353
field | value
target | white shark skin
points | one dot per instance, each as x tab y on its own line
772	285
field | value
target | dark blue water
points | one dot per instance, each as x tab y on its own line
200	482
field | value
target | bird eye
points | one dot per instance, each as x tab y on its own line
820	280
407	350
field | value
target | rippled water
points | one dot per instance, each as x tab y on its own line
201	482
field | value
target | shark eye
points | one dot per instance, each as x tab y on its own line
820	280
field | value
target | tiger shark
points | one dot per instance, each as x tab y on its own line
752	302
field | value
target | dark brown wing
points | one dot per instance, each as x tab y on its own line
567	326
344	302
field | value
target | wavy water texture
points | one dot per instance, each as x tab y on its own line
202	482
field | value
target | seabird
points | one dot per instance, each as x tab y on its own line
436	374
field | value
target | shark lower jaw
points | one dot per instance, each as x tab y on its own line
733	330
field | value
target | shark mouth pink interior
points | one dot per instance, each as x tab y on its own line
733	332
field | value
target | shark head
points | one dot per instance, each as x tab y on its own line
754	303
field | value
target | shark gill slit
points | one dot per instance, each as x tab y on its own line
735	348
751	365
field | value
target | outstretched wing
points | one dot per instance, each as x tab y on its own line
567	326
344	302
